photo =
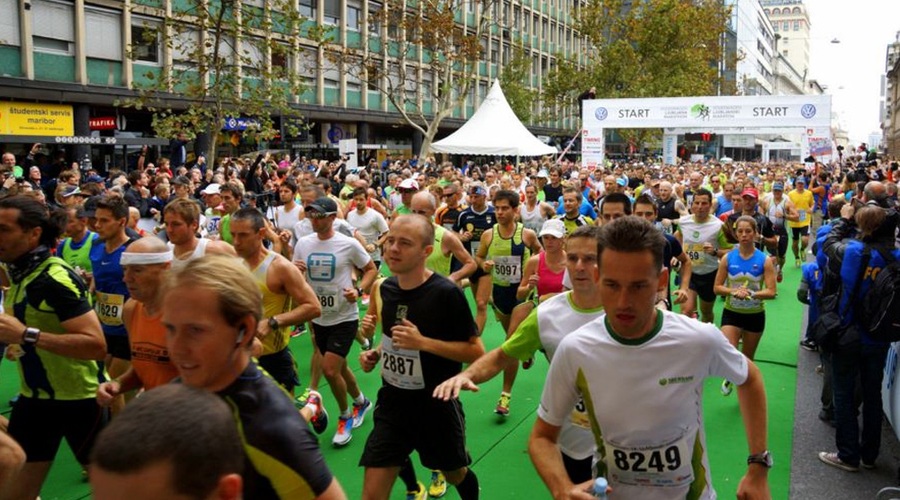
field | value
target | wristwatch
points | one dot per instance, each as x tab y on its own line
273	323
764	459
31	335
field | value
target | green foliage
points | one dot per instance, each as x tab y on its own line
643	48
229	60
515	81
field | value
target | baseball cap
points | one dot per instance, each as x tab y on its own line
621	181
778	186
95	178
800	180
89	208
751	192
478	189
409	184
323	205
543	174
70	191
553	227
211	189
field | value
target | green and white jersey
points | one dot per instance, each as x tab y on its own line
545	328
694	234
644	401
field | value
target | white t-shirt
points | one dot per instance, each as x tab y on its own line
644	400
329	264
371	225
693	235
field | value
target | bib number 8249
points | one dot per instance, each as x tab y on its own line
398	364
637	461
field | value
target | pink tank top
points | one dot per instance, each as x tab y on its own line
548	281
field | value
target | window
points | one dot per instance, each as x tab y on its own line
374	19
145	41
9	23
426	88
280	58
796	25
308	8
54	26
185	46
354	14
331	74
776	11
786	26
332	12
470	6
796	10
775	27
495	51
784	52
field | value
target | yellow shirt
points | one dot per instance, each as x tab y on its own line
803	202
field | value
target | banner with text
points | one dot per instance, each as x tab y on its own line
19	118
709	112
593	148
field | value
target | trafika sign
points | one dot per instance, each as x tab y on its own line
102	123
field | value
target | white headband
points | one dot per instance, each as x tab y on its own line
134	258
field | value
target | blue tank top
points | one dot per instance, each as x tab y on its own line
748	273
111	292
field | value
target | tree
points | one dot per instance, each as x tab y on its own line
515	82
420	57
644	48
222	59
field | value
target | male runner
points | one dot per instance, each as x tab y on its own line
648	426
471	225
110	292
370	224
75	249
329	258
428	333
544	329
211	308
231	193
447	245
572	217
779	210
673	256
704	241
804	203
281	286
448	213
182	223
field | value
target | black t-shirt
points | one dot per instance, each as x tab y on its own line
764	227
666	210
552	194
440	311
477	224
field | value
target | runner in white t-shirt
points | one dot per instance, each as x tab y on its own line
640	373
370	224
328	259
288	214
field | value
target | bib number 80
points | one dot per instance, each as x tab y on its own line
656	460
326	300
398	364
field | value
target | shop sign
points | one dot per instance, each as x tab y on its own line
17	118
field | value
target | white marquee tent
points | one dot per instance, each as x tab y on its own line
493	130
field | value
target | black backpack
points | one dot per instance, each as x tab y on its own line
880	308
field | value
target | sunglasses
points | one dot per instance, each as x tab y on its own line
319	215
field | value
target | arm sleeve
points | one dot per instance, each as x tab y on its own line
725	361
560	393
526	340
63	291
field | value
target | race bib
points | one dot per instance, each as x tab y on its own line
475	245
329	297
664	465
508	269
579	416
694	252
212	224
402	368
802	216
109	308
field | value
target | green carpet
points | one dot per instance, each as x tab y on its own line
499	447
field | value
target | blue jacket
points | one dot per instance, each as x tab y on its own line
851	272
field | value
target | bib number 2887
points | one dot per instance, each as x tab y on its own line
651	461
400	365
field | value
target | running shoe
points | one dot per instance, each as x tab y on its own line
798	262
359	412
809	345
865	465
726	388
438	486
832	459
298	330
418	494
319	421
528	363
300	401
779	277
342	436
503	404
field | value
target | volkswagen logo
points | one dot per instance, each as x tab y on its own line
601	114
808	111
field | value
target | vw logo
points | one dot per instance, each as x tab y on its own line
601	114
808	111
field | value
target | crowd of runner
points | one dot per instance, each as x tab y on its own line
121	283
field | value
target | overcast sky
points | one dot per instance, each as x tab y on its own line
852	69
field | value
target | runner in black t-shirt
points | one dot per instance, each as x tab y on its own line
428	333
472	223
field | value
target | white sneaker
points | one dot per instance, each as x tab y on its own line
343	436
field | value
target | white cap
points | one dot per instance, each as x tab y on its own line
211	189
409	184
553	227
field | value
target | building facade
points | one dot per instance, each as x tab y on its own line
91	55
754	47
790	21
890	115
